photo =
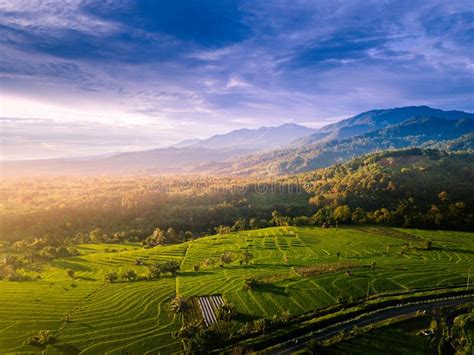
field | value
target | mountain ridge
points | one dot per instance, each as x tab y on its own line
291	147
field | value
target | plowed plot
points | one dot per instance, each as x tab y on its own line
208	306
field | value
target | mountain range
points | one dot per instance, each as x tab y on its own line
290	147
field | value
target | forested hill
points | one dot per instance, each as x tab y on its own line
410	188
425	132
413	187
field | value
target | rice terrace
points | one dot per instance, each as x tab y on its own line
236	177
270	277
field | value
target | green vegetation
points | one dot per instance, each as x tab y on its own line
407	188
294	271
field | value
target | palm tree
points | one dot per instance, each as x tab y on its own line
179	304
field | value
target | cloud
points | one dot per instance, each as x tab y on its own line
212	66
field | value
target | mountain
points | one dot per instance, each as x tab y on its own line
287	149
374	120
261	138
414	132
175	159
186	143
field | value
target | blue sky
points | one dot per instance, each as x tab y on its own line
92	77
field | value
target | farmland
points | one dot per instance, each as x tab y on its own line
92	316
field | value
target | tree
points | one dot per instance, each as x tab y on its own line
158	237
221	230
130	275
342	214
111	276
179	304
154	272
96	235
226	258
170	266
301	221
188	236
171	235
254	223
359	216
239	225
276	218
71	273
246	257
226	312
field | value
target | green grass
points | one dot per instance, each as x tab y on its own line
133	317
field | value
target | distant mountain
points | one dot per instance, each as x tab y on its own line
289	148
186	143
414	132
261	138
175	159
374	120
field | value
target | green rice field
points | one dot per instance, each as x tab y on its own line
92	316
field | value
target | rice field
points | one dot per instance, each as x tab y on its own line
92	316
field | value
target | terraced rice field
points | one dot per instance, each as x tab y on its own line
92	316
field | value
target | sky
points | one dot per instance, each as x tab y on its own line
84	78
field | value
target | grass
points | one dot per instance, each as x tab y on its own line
134	317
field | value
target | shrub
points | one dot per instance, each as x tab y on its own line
15	276
130	275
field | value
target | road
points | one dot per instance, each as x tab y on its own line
384	314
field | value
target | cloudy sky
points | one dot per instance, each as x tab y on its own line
91	77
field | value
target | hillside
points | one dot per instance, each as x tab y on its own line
375	120
438	132
414	187
295	271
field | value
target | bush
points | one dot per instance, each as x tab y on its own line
111	276
15	276
130	275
